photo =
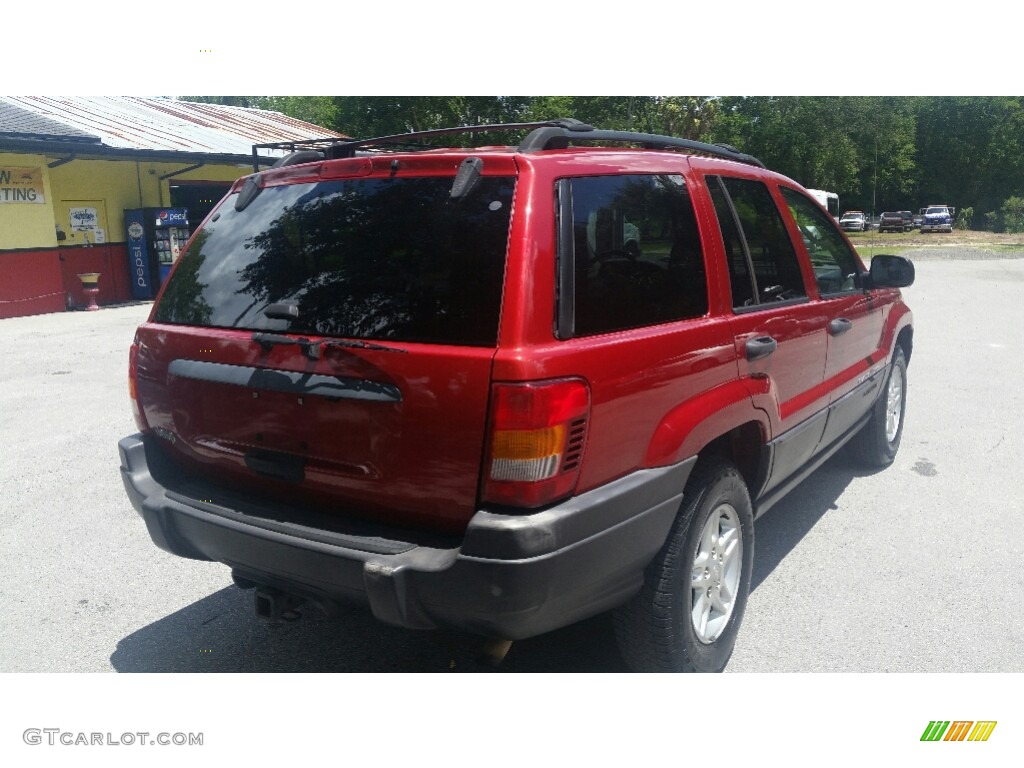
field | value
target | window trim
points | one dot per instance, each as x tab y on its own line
771	305
743	244
565	267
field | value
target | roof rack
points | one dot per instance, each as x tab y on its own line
556	138
544	135
332	148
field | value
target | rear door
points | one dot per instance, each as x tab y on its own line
330	343
778	331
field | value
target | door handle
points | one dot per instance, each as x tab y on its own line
839	326
760	347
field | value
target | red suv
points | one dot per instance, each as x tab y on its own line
505	389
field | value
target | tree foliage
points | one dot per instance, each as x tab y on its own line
877	152
1010	216
860	147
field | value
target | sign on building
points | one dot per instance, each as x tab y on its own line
84	219
21	185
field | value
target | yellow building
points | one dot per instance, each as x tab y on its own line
71	166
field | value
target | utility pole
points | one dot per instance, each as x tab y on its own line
874	182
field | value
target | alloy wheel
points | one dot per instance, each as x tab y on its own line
715	576
894	404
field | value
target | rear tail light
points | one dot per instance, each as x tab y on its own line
535	442
140	420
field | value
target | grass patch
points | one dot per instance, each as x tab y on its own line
872	243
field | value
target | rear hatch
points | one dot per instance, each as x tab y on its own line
326	339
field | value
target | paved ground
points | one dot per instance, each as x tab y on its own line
916	568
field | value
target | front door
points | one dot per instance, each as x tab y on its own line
855	362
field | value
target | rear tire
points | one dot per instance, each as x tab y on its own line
687	614
878	441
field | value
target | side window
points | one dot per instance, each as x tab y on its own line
835	267
750	220
636	254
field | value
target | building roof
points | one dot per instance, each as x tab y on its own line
22	123
148	124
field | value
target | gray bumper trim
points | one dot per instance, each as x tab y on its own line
511	576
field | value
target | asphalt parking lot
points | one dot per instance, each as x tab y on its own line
914	569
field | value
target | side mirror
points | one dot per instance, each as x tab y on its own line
890	272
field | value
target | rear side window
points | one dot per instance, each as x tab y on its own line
390	259
763	265
630	254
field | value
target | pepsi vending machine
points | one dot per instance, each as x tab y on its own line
156	237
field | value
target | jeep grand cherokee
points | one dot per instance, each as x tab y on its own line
505	389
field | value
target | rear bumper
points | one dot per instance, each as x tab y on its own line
510	576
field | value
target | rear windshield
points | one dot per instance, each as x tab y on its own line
369	258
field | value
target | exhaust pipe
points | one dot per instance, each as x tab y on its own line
274	606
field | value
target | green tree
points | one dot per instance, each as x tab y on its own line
886	140
688	117
366	116
1011	215
860	147
971	150
776	130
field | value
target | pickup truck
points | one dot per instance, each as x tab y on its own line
938	218
892	221
854	221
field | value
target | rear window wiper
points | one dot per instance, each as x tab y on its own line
355	344
311	349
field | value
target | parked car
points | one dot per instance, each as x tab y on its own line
440	384
854	221
908	220
891	221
